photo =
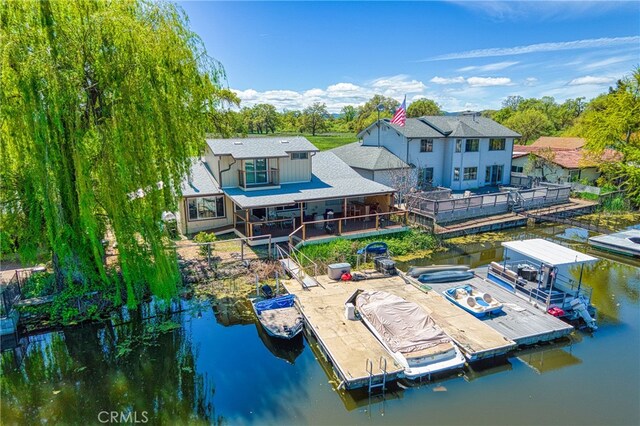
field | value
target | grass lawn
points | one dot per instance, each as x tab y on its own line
329	141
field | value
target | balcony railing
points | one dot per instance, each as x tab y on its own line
258	178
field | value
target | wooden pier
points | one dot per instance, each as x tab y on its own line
353	350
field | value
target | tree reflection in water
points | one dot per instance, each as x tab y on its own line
70	377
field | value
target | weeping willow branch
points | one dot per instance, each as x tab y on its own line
99	99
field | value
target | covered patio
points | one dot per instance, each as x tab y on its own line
320	219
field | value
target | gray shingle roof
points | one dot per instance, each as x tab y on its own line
368	157
438	126
200	181
332	178
270	147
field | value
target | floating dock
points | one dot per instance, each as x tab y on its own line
356	355
626	243
521	321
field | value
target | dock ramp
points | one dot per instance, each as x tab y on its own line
292	265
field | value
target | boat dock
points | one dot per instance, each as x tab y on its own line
356	355
521	321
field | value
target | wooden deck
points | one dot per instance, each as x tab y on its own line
521	321
349	344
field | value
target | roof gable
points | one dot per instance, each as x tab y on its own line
368	157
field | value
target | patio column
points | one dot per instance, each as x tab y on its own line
301	213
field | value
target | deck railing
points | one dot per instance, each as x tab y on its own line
259	178
347	225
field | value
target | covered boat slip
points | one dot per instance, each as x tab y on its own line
520	321
349	344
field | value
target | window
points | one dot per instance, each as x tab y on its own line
425	175
517	169
299	155
426	145
256	171
206	208
574	175
497	144
295	206
472	145
458	145
470	173
456	173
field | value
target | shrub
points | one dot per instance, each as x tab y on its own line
205	237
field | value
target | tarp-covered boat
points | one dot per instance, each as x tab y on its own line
472	300
279	316
409	334
445	276
416	271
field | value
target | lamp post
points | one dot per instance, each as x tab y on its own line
380	108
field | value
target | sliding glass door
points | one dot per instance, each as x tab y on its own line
256	171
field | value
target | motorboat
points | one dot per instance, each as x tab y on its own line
445	276
416	271
279	316
411	336
472	300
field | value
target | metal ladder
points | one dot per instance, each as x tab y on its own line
382	365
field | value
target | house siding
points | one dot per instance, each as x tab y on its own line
556	173
295	170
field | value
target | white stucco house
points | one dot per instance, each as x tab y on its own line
283	187
459	151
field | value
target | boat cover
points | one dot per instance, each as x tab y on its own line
403	325
275	303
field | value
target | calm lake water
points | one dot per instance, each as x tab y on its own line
219	367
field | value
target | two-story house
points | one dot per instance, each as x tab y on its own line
459	151
283	187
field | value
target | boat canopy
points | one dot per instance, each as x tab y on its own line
547	252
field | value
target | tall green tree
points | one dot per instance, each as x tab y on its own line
613	121
368	113
423	107
103	105
314	118
530	123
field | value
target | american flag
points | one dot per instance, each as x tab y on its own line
400	117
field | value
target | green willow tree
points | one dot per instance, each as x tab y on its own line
99	101
612	120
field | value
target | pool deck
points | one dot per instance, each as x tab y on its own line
348	345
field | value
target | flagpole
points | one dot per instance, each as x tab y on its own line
379	108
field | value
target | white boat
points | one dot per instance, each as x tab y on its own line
279	316
472	300
410	335
416	271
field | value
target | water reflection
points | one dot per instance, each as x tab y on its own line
69	377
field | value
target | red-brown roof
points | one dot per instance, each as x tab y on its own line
557	143
581	159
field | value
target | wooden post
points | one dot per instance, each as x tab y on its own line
209	254
377	221
241	249
304	233
301	215
344	210
339	227
246	222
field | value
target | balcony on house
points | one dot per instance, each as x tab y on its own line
257	173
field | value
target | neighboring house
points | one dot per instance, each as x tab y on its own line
458	152
280	187
560	160
375	163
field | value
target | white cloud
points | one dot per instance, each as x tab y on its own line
488	81
538	47
530	81
591	80
489	67
610	61
444	80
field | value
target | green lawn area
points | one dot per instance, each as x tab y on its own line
329	141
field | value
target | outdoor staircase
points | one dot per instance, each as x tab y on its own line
293	268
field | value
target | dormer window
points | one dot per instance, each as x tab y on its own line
299	155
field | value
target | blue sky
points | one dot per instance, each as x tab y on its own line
462	54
